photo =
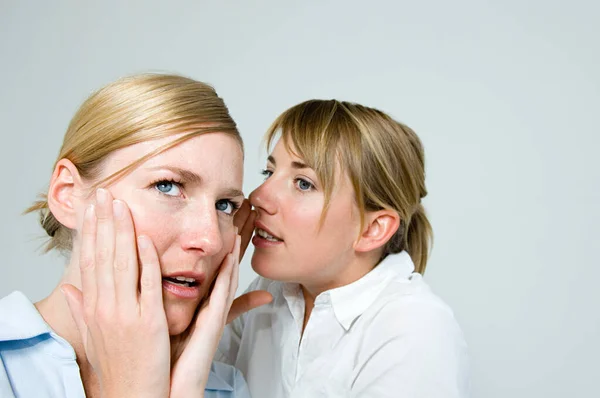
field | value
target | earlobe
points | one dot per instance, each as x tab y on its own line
379	228
62	193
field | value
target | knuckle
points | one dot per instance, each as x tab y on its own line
104	313
121	264
86	263
126	321
147	282
103	254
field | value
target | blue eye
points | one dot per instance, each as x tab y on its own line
266	173
303	185
169	188
226	206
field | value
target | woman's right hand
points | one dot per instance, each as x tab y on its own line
123	328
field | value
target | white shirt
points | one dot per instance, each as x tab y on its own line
385	335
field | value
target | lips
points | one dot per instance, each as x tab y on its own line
183	284
265	238
265	232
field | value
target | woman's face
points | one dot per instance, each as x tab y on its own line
289	205
184	200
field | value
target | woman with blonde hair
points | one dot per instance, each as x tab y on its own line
341	242
142	199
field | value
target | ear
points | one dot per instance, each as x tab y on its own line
379	227
64	193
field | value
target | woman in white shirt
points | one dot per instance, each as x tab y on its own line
341	243
157	158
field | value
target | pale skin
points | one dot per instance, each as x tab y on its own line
289	206
173	214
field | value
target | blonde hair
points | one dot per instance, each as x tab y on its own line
126	112
383	158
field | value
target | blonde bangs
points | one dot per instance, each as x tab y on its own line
383	159
141	108
313	131
129	111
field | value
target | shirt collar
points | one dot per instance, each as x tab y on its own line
215	381
20	319
350	301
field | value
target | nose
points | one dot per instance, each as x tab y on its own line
201	231
264	197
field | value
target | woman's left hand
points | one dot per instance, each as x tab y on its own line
244	221
194	355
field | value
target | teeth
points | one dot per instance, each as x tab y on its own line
184	279
263	234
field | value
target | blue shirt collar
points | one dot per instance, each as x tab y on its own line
20	319
215	381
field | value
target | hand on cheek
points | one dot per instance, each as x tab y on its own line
119	323
191	369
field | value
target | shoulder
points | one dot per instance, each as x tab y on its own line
412	311
414	334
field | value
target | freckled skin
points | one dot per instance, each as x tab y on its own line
187	229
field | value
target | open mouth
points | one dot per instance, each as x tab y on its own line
184	285
265	235
182	281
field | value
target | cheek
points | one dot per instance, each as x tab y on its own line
227	230
301	227
158	225
337	233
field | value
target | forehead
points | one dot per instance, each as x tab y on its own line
216	156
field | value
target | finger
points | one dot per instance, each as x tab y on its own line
235	272
126	264
220	293
150	279
74	299
246	233
242	214
87	260
247	302
105	246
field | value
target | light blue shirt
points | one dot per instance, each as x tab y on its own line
36	362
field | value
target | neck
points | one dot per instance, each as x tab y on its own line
353	270
55	312
348	272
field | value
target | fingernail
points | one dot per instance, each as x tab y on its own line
142	242
237	230
62	290
118	209
101	196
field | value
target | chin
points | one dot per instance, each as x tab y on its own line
179	318
270	269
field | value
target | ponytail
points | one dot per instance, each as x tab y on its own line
416	239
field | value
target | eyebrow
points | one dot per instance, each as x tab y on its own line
232	193
295	164
192	178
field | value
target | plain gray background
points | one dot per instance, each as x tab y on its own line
505	96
